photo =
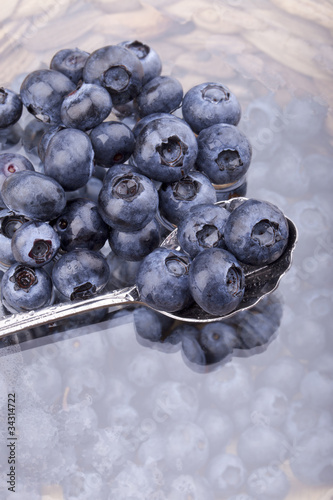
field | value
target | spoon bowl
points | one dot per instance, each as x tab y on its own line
259	281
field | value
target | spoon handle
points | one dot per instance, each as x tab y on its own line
24	321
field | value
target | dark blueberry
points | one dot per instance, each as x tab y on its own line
191	348
81	226
32	135
128	202
70	62
178	198
163	94
113	143
202	228
312	460
35	243
150	60
69	158
224	153
268	483
256	232
210	103
11	163
8	225
24	288
163	280
10	107
118	70
135	245
122	272
150	325
165	149
42	93
34	195
45	140
80	274
86	107
218	340
217	281
146	119
227	473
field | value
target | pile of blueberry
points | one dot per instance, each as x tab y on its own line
98	180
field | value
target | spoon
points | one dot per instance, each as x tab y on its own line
259	281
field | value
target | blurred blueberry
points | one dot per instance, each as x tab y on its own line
227	473
317	388
312	459
270	404
187	447
302	419
285	374
268	483
218	427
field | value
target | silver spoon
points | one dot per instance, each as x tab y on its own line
259	281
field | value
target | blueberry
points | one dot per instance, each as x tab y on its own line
80	274
113	143
227	473
186	447
224	153
32	135
128	202
122	272
35	243
163	280
268	483
70	62
34	195
271	404
11	163
8	225
285	374
45	139
202	228
150	60
135	245
178	198
210	103
218	340
146	119
192	350
256	232
149	325
81	226
69	158
42	93
24	288
117	69
162	94
302	419
218	427
10	108
165	149
217	281
259	445
312	460
86	107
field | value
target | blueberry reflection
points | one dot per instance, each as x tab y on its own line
206	347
